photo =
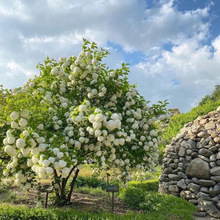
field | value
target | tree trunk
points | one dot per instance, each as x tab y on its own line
72	185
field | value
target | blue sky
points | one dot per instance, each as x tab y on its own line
172	46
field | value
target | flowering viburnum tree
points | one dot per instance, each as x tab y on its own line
80	110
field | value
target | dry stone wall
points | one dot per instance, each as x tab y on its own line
191	164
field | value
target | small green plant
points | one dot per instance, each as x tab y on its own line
148	185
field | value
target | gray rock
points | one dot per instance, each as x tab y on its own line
210	125
195	180
218	156
167	170
218	204
189	152
173	177
215	199
215	191
205	152
218	162
214	212
183	175
200	214
204	189
204	158
188	158
182	184
191	143
213	164
186	194
213	158
213	149
193	187
203	196
193	201
182	151
203	134
215	171
215	178
206	141
173	165
198	168
173	188
206	205
206	182
194	154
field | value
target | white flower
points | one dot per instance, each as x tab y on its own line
98	153
82	108
23	122
81	139
34	159
65	172
99	117
25	113
5	173
5	141
60	155
52	159
10	150
42	147
14	124
35	151
153	133
62	163
20	143
25	133
70	133
27	186
46	163
41	140
32	142
111	125
56	127
40	127
25	151
49	170
14	115
54	71
11	140
56	151
115	116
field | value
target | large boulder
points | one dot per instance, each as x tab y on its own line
198	168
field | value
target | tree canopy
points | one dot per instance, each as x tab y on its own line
75	111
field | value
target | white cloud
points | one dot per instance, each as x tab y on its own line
32	30
183	75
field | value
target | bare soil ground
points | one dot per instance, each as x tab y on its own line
80	201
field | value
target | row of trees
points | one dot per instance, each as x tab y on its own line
75	111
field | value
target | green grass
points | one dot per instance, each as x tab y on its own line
148	185
156	205
93	191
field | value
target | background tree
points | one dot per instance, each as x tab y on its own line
213	97
76	110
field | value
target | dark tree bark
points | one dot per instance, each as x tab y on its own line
72	185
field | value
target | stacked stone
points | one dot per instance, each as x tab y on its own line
191	164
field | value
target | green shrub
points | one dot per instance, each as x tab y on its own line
92	182
133	197
156	205
148	185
